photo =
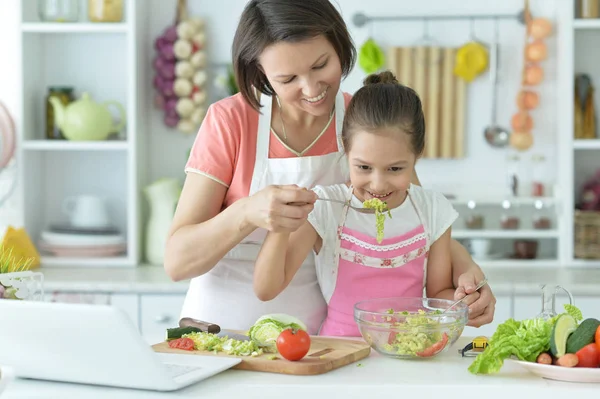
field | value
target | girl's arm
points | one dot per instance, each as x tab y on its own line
439	269
280	257
461	261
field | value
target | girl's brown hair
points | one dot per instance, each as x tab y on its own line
382	103
264	22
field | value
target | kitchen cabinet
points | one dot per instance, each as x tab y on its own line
130	305
157	313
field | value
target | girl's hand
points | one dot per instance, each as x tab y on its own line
271	207
482	304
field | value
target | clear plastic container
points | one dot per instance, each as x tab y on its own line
58	10
509	220
474	220
542	217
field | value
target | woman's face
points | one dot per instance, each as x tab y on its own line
305	75
381	165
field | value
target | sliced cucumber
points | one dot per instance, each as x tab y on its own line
178	332
563	328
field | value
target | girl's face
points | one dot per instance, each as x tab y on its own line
305	75
381	165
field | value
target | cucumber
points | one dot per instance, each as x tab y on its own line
178	332
563	328
583	335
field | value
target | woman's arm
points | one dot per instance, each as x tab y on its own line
439	269
201	233
280	257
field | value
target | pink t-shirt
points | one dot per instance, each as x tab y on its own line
225	146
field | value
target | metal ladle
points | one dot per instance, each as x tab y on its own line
495	135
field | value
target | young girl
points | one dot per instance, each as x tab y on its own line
383	136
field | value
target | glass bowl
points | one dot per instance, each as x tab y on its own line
410	328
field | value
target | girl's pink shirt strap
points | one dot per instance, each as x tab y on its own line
225	147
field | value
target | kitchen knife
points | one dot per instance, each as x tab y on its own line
212	328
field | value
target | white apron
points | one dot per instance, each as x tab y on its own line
225	295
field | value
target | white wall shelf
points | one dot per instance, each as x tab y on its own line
586	23
75	27
505	234
497	201
590	144
518	263
56	261
65	145
107	61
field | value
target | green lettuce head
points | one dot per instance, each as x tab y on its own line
267	328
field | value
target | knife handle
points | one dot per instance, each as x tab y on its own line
202	325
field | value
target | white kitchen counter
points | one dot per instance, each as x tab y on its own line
446	376
153	279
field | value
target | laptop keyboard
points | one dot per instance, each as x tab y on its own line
175	370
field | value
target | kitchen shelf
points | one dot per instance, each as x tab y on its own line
74	27
592	23
65	145
505	234
587	144
517	263
49	261
498	200
585	263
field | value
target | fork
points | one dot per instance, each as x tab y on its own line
481	284
357	209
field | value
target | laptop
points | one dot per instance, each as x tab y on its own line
92	344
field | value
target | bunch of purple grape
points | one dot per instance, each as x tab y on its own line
180	79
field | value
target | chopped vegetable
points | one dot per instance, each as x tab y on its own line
267	328
182	343
204	341
422	336
380	210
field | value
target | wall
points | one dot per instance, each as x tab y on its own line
483	165
9	95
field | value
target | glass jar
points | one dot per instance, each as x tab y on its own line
509	219
65	95
541	216
58	10
105	10
588	8
474	219
538	176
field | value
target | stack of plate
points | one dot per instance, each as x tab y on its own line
67	241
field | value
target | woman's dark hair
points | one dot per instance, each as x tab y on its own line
265	22
382	103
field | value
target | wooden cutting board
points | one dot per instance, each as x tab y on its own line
325	354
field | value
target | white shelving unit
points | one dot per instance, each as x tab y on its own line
106	60
581	156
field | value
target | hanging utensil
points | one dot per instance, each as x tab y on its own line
496	136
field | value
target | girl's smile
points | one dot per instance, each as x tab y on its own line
381	166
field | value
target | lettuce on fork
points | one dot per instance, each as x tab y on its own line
524	339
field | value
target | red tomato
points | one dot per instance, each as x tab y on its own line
589	356
435	348
182	343
597	338
293	345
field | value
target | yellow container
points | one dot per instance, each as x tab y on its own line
105	10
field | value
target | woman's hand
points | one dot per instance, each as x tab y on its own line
271	208
482	304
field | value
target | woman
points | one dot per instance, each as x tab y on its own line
283	129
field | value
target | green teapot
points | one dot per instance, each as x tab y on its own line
85	119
